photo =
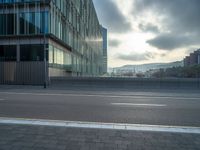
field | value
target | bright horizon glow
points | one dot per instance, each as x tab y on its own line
134	42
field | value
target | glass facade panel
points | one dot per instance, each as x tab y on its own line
2	24
59	58
32	52
7	24
10	23
33	23
17	1
29	23
8	53
37	22
22	23
51	61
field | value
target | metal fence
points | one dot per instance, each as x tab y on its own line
25	73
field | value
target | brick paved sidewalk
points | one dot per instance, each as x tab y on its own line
26	137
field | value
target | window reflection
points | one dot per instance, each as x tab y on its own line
33	23
59	58
29	23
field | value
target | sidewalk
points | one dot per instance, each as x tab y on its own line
34	137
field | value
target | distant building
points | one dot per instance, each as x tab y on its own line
199	60
192	59
187	61
105	53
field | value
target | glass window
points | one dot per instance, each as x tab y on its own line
22	23
37	23
27	23
2	53
7	24
10	24
67	59
8	53
32	52
32	23
2	24
55	55
44	22
60	57
50	54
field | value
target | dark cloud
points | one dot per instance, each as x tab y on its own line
114	43
180	19
111	16
171	41
148	28
137	57
180	15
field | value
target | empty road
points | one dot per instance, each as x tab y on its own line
151	108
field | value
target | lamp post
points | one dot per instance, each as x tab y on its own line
45	59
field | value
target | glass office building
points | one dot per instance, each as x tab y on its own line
66	31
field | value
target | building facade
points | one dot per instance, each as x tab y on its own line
192	59
105	50
64	35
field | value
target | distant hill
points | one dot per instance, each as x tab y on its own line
146	67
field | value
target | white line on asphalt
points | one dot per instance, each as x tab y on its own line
132	104
97	95
96	125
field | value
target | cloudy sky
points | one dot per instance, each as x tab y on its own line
146	31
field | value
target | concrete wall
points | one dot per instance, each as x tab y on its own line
124	83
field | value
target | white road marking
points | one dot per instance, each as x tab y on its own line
97	95
96	125
133	104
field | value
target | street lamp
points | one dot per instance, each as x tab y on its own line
45	59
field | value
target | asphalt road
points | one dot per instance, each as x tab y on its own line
175	108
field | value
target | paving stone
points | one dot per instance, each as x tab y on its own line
16	137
